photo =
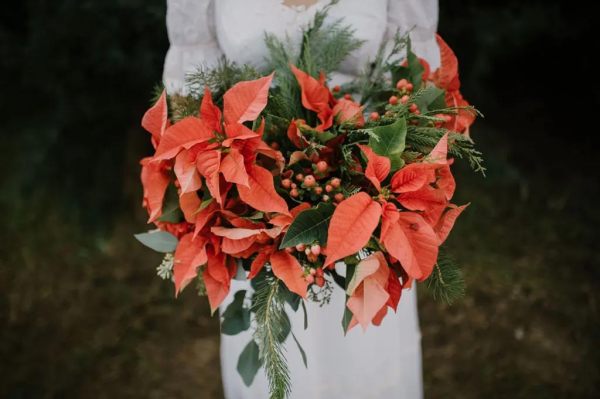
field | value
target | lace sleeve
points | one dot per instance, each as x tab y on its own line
420	17
190	26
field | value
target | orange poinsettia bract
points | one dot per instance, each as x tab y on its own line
446	77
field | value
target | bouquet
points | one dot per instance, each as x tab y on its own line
274	177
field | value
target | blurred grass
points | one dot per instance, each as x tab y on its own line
83	315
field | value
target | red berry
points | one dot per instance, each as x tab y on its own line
319	272
294	192
401	84
409	86
322	166
286	183
309	181
348	96
374	116
328	188
290	250
336	88
299	177
315	249
320	281
417	112
309	278
294	185
300	247
393	100
336	182
275	145
307	251
313	271
339	197
318	190
404	99
413	107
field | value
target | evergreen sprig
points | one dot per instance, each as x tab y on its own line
446	283
271	326
422	139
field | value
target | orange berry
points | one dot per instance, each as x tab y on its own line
294	192
336	88
409	86
339	197
336	182
404	99
413	107
286	183
374	116
309	181
299	177
393	100
401	84
322	166
315	249
312	258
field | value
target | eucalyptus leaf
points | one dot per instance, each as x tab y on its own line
302	353
249	363
309	226
236	317
160	241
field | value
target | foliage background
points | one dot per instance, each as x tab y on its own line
82	314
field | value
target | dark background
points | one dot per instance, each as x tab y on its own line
82	313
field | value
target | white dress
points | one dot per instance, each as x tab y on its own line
384	362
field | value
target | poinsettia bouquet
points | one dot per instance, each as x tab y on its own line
277	178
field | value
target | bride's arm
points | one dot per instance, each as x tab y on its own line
190	26
421	18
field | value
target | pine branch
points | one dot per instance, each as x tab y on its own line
423	139
446	283
270	333
218	79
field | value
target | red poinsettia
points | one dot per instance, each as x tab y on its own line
446	77
318	98
412	237
218	147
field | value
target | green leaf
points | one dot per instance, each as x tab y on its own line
389	141
309	226
302	353
415	68
236	317
305	314
249	363
160	241
291	298
285	328
347	318
431	98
